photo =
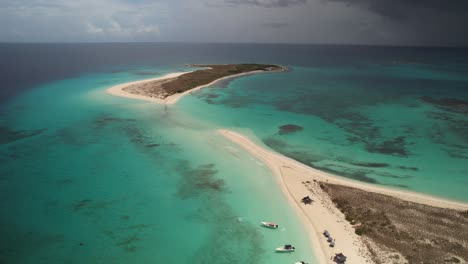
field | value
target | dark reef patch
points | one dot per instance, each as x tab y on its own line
75	135
65	181
408	168
289	129
275	143
8	135
90	207
236	101
440	116
208	98
448	104
457	151
394	146
455	123
195	182
369	164
129	127
124	238
127	243
106	120
389	175
81	204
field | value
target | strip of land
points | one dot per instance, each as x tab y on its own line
371	224
170	88
398	231
298	180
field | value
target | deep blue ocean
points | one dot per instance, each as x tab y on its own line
86	177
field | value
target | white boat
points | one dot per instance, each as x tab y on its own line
285	248
301	262
270	225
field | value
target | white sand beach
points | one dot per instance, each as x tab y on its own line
118	90
322	214
292	176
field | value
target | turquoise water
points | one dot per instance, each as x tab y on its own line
385	124
92	178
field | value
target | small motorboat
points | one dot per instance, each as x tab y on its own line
270	225
301	262
285	248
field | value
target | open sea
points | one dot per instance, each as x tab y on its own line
86	177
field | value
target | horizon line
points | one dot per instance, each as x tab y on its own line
241	43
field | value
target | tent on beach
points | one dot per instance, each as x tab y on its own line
307	200
339	258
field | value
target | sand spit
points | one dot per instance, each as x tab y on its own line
120	89
298	180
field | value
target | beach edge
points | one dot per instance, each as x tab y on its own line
323	214
117	90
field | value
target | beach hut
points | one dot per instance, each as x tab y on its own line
339	258
329	239
326	233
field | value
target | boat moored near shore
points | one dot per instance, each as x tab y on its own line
285	248
271	225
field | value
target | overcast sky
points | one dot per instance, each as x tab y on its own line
383	22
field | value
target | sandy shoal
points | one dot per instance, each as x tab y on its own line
117	90
322	214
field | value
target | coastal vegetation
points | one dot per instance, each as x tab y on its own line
201	77
400	230
161	89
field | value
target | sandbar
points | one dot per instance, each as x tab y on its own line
292	177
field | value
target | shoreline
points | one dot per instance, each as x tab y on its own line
291	176
117	90
176	97
295	180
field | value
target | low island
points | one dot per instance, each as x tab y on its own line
169	88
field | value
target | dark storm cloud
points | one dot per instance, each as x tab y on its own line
370	22
400	9
267	3
428	22
275	25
